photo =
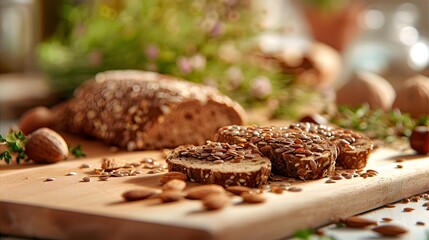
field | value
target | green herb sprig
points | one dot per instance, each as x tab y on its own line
377	124
77	151
15	142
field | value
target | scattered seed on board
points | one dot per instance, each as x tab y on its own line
408	209
85	165
390	206
294	189
420	223
385	219
399	166
277	190
86	179
50	179
71	174
399	160
405	200
103	178
330	181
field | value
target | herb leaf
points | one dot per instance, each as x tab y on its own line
15	142
77	151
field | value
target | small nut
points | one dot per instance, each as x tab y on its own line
215	201
171	196
238	190
46	146
140	194
172	175
175	184
358	222
419	139
253	198
390	230
203	191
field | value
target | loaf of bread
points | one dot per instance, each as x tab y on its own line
145	110
293	153
221	163
354	148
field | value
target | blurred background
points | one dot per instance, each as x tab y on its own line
284	56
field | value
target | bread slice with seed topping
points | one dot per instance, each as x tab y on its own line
145	110
293	153
354	148
221	163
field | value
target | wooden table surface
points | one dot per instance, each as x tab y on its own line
68	207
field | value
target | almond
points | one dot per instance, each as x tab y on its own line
34	119
390	230
238	190
46	146
172	175
358	222
140	194
253	198
215	201
171	196
203	191
175	184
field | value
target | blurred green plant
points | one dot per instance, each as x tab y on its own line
209	42
378	124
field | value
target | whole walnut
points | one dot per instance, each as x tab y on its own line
413	98
366	88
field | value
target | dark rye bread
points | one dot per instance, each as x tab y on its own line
354	148
221	163
145	110
293	153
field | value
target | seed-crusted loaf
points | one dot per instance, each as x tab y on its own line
145	110
354	148
221	163
293	153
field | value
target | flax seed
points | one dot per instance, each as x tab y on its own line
420	223
408	209
390	206
399	166
330	181
385	219
86	179
294	189
50	179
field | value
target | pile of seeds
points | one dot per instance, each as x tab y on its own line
219	152
117	168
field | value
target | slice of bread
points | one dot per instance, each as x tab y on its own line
354	148
145	110
293	153
221	163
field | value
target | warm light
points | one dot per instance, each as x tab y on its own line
419	56
409	35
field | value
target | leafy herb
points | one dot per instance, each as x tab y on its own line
15	142
77	151
377	124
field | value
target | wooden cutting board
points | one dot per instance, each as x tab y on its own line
70	208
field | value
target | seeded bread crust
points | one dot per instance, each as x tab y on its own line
293	153
354	148
221	163
145	110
